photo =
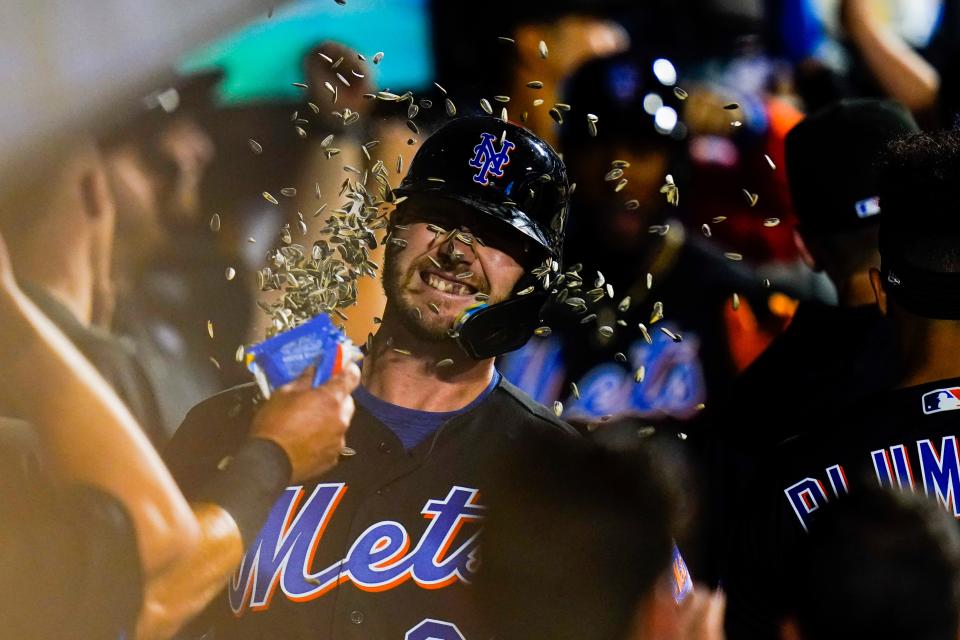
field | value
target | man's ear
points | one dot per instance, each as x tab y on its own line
805	254
876	281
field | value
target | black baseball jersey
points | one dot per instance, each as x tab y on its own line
382	546
904	438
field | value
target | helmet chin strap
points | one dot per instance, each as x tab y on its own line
487	331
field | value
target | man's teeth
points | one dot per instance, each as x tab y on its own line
446	286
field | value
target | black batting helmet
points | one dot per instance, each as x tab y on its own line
505	172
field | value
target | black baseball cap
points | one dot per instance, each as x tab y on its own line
831	158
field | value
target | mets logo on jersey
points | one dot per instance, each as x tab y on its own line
941	400
488	160
381	557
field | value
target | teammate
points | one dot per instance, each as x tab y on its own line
828	355
131	556
385	545
905	437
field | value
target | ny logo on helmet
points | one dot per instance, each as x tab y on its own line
488	159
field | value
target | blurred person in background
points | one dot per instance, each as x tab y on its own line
509	35
877	564
828	355
903	436
59	226
168	268
653	265
131	555
620	512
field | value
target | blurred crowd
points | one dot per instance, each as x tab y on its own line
733	164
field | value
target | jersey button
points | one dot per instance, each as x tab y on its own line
384	447
356	616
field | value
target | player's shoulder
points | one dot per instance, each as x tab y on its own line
512	398
211	429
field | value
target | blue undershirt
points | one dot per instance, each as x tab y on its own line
413	426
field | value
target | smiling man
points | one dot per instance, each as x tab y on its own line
386	544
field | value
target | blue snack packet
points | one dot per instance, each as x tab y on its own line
284	357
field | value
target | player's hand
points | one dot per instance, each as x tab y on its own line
309	424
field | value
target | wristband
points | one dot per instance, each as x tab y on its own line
248	484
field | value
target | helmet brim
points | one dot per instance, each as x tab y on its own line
505	212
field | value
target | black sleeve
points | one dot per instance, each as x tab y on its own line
214	429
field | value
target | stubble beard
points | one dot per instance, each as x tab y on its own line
421	326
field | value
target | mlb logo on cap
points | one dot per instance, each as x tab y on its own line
941	400
867	207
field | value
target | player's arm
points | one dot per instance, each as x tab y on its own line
297	434
904	75
88	435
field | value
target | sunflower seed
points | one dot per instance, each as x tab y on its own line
442	90
619	357
535	84
771	222
670	334
631	204
300	85
624	305
342	79
645	333
731	106
613	174
214	362
230	273
542	48
640	374
718	219
403	352
751	197
538	102
588	318
542	331
481	297
592	128
766	283
773	167
735	303
215	222
705	228
503	99
300	132
252	240
736	123
606	331
446	362
526	291
485	105
450	107
557	117
288	192
210	328
620	185
377	57
680	93
326	57
506	39
730	255
464	275
657	314
255	146
434	308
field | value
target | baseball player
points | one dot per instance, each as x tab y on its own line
906	437
385	545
